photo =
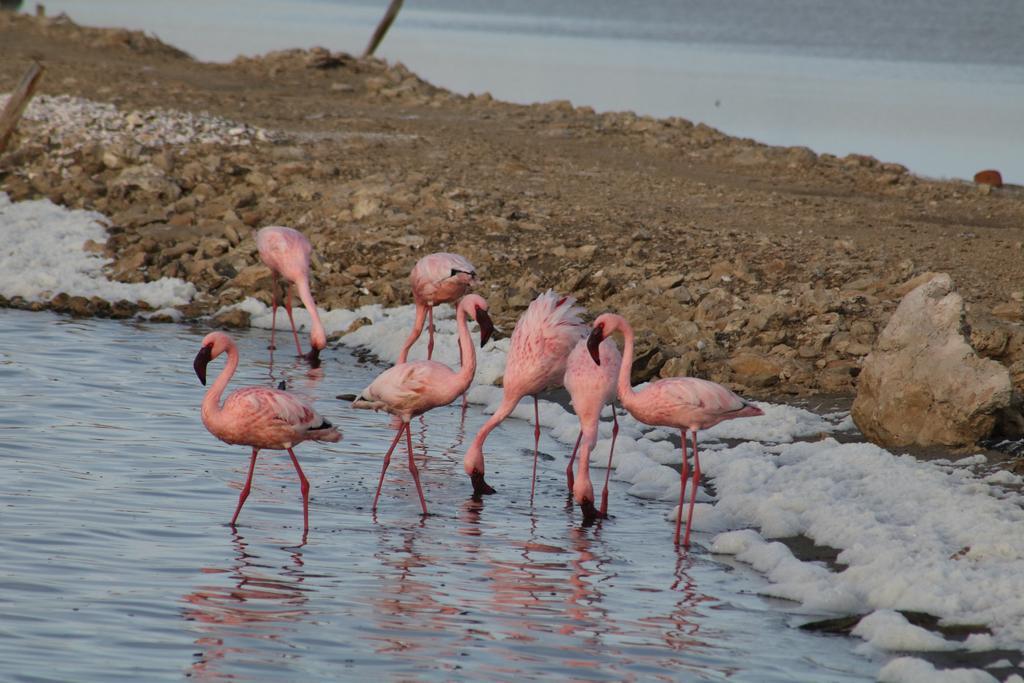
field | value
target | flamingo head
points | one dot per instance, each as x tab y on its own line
604	326
467	278
213	345
317	343
476	306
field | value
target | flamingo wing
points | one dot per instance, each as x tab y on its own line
273	406
700	393
403	387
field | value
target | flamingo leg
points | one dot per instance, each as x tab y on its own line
536	445
693	491
273	314
248	485
305	490
430	333
387	461
608	471
413	470
682	487
288	307
569	479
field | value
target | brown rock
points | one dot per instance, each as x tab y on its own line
989	177
232	318
755	369
923	384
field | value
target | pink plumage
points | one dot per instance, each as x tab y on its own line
591	387
541	341
286	252
256	416
685	403
436	279
410	389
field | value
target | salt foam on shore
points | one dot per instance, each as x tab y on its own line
41	255
936	536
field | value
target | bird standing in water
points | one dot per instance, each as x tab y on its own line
286	252
541	342
591	388
257	416
686	403
410	389
439	278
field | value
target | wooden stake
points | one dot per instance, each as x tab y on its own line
382	27
16	104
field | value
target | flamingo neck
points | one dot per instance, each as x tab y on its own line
626	393
466	352
211	410
417	328
317	336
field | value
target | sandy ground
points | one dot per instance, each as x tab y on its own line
769	268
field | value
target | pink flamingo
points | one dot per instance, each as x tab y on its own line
591	387
286	252
258	417
686	403
541	342
439	278
410	389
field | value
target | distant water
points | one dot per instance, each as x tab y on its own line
935	84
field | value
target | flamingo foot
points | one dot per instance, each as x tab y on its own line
590	513
480	487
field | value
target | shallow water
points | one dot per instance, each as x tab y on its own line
118	563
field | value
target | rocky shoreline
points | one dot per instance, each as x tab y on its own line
769	269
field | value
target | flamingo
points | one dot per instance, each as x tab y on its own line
541	341
410	389
591	387
685	403
286	252
436	279
258	417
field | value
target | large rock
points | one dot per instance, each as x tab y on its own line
923	384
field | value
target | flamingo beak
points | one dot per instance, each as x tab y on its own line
313	357
486	326
202	360
594	344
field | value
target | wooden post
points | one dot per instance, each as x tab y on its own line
382	27
16	104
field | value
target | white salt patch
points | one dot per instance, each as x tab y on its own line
912	670
42	256
72	122
915	536
889	630
779	424
1004	477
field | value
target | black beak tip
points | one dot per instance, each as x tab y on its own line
594	345
314	358
201	361
486	326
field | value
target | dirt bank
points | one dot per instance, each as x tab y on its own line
768	268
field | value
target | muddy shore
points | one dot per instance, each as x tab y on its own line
770	269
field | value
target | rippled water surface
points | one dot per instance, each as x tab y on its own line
118	563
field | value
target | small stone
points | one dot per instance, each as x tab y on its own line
989	177
233	318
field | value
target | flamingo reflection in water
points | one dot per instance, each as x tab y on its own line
409	608
248	617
